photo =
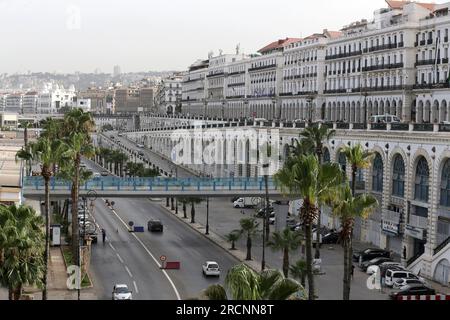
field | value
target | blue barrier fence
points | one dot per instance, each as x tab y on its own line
148	184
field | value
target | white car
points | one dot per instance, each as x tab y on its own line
401	283
96	175
121	292
372	269
141	146
211	268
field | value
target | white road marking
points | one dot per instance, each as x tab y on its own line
129	272
135	287
120	258
151	255
111	246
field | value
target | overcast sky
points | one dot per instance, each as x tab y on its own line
143	35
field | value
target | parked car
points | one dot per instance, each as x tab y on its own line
262	211
211	268
413	290
155	226
139	145
331	238
393	275
104	173
141	153
402	283
384	269
370	254
384	266
374	262
96	175
121	292
120	135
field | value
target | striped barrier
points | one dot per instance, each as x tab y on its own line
439	297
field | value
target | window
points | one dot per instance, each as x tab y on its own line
422	180
398	178
377	174
326	156
445	184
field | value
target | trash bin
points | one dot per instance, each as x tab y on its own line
55	235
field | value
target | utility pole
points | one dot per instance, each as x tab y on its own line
266	215
207	216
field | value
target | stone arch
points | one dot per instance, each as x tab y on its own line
358	113
398	174
370	109
378	173
417	183
442	272
443	165
427	112
353	113
419	112
435	112
443	112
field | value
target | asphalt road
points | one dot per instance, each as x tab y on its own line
125	258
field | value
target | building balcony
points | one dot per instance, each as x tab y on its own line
236	73
262	68
429	86
334	91
425	62
240	84
215	75
418	222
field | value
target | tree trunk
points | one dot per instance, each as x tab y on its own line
75	196
354	169
233	245
17	293
319	218
346	272
47	233
10	293
309	261
286	262
249	248
192	213
184	211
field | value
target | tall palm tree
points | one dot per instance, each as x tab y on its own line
348	207
285	241
313	139
48	153
245	284
193	202
78	145
249	227
21	249
358	158
304	177
298	271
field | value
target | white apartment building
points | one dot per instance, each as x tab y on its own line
53	99
194	88
168	95
2	101
236	88
30	102
14	103
83	103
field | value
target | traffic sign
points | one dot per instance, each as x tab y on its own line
131	223
163	258
92	195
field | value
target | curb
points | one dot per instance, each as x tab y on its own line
237	254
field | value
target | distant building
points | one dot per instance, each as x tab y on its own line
168	95
14	103
98	99
133	100
84	104
117	71
30	102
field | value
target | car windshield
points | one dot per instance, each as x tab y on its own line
213	266
122	290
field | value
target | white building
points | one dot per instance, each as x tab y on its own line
194	88
169	94
53	99
84	104
30	102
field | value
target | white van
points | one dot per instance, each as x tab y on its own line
393	275
387	118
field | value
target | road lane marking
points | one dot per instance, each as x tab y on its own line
135	287
129	272
120	258
111	246
151	255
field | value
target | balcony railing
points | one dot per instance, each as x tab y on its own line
335	91
262	67
418	222
423	127
425	62
400	127
378	126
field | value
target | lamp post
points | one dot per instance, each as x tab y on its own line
207	216
266	215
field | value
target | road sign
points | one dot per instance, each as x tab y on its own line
163	258
92	195
131	223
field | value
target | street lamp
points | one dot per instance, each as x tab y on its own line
266	215
207	216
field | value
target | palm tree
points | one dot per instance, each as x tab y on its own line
298	271
250	227
232	237
313	139
48	153
25	124
348	207
21	249
78	146
305	177
359	159
286	240
245	284
193	202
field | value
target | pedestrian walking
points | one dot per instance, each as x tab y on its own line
103	235
353	270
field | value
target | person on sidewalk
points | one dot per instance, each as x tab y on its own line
103	235
353	270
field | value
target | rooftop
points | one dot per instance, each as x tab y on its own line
277	45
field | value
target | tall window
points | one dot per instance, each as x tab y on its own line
377	174
342	162
445	185
422	180
398	178
326	156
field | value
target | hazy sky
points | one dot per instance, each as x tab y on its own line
142	35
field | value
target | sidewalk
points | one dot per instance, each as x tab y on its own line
57	277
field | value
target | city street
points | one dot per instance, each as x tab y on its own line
126	257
